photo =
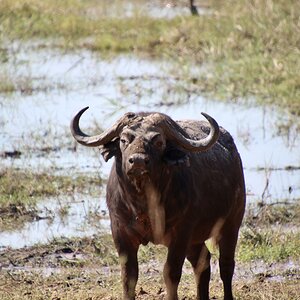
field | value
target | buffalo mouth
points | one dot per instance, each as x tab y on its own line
138	178
137	173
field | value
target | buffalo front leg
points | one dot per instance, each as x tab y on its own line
129	271
173	269
199	257
129	266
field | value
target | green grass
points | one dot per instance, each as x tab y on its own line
250	49
270	232
20	191
7	84
27	187
269	245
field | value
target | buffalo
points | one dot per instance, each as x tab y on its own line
175	183
193	8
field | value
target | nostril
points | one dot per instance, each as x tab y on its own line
138	160
131	160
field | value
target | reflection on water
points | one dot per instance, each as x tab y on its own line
37	123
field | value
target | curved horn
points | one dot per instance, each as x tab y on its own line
101	139
196	145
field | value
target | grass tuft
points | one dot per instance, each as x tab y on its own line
27	187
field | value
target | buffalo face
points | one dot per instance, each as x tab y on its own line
142	148
145	143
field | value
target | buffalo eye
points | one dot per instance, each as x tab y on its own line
124	142
158	144
157	141
126	139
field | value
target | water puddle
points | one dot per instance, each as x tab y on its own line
155	9
35	125
75	217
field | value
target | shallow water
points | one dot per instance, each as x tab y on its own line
85	216
155	9
36	123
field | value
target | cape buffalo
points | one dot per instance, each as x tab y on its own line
193	8
172	183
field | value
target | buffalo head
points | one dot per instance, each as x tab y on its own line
145	142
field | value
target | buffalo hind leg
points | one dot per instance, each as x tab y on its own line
227	245
199	257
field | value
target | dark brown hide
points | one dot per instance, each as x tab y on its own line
193	8
162	193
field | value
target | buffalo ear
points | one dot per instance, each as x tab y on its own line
110	149
174	157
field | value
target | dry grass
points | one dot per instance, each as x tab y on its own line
98	284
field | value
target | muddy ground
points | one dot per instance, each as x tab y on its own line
87	268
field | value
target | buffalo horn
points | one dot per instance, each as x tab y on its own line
101	139
195	145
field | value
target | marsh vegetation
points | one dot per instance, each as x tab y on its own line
255	43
